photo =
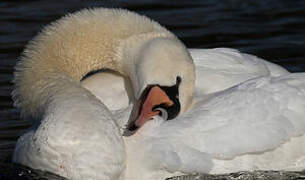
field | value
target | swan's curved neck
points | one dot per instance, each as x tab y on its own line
47	81
50	64
72	47
129	55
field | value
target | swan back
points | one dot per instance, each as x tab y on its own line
221	68
239	128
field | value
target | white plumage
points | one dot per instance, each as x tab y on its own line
246	114
251	118
258	124
74	134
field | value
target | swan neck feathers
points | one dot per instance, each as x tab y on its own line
153	58
71	47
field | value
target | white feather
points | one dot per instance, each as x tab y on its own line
255	120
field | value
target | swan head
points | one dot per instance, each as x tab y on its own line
163	81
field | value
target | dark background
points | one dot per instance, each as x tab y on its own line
271	29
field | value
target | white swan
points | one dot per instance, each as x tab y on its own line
75	135
256	124
79	138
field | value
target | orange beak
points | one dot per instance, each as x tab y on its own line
144	109
156	96
155	100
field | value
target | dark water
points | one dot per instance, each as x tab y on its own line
271	29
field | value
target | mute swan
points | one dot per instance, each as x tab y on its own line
253	121
75	135
79	138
